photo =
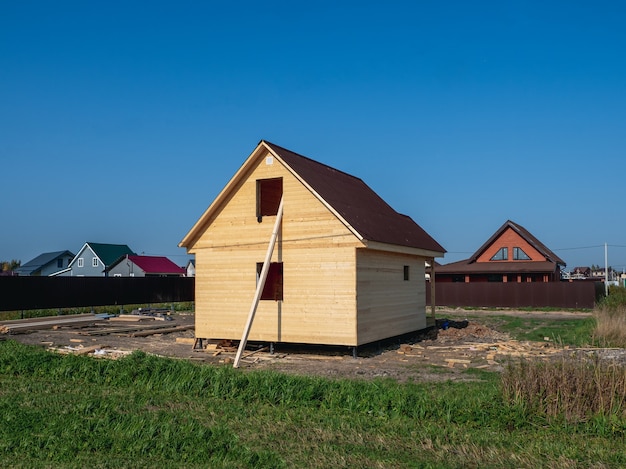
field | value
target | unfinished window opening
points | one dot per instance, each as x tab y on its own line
268	195
406	272
273	289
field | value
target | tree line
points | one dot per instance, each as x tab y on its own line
7	266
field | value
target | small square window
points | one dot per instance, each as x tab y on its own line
406	272
80	262
94	262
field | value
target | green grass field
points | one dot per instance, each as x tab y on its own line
145	411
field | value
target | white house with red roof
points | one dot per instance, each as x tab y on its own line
145	266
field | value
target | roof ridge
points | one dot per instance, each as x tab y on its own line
312	160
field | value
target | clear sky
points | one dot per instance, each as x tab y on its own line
120	121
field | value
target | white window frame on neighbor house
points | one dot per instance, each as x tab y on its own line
80	262
94	262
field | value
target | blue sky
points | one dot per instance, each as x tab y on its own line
121	121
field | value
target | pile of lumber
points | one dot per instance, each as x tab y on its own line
49	322
130	325
475	353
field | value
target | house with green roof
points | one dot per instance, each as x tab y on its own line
94	259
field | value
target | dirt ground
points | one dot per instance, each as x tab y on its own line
431	355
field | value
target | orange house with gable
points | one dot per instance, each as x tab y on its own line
512	254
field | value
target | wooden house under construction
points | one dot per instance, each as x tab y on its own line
337	265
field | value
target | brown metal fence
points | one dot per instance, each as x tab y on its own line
25	293
517	295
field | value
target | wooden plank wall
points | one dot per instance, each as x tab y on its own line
318	255
387	304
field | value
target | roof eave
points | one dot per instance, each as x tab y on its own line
396	248
196	230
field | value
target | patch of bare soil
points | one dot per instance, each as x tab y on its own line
431	355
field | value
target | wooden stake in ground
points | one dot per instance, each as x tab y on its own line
260	285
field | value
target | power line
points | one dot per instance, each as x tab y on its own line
581	247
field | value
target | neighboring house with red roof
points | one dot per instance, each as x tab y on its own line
145	266
512	254
347	269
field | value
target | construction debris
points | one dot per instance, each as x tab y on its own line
92	324
481	355
50	322
185	340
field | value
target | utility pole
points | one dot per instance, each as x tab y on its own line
606	270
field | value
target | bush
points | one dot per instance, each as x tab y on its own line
615	299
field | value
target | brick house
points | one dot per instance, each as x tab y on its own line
511	254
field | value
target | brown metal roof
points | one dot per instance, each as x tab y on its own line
367	213
522	267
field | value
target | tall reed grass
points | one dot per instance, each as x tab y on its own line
610	330
610	317
576	390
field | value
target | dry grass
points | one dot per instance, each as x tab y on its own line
576	390
610	330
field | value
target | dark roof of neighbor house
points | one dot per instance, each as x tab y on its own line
40	261
109	253
499	267
524	233
156	265
357	203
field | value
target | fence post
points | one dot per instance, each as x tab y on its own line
432	287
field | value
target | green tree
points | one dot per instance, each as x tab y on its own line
10	265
